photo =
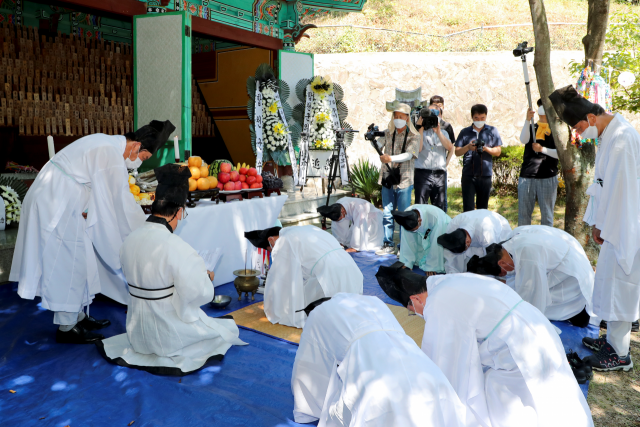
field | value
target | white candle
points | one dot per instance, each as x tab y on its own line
52	150
176	148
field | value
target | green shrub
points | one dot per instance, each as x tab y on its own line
364	181
506	169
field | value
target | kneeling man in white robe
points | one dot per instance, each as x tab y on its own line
502	356
614	213
307	264
469	234
167	332
421	227
552	271
355	223
356	366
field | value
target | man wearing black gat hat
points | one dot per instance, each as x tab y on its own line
307	264
614	214
355	223
167	332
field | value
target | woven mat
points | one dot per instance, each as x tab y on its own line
253	317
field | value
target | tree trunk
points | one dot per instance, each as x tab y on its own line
597	22
577	164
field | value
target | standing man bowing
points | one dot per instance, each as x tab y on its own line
401	145
65	259
478	143
614	214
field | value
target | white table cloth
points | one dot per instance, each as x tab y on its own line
209	226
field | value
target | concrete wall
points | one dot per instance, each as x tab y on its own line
463	79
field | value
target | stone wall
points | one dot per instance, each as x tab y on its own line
463	79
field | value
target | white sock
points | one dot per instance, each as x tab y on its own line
81	316
66	328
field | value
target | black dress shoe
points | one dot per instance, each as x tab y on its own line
77	335
91	324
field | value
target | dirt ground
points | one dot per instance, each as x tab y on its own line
614	397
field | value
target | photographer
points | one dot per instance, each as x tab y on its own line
539	173
438	101
430	178
478	143
401	144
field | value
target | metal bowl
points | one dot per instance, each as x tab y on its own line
220	301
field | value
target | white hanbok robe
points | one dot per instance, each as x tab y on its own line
307	264
425	253
355	366
172	335
362	228
519	376
552	271
485	228
614	208
59	255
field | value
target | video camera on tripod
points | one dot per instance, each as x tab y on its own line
430	118
522	49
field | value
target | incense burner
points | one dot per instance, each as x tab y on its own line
246	282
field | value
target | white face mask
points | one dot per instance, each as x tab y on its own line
133	164
590	133
478	124
541	111
399	123
415	310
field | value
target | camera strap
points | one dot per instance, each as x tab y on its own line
393	141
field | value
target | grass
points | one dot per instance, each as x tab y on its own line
442	18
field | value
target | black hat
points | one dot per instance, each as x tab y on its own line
488	264
173	183
332	212
153	135
260	238
407	219
456	241
308	309
570	106
400	283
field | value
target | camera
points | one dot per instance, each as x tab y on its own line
522	49
479	146
373	132
430	118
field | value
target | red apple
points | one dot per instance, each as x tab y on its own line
238	185
233	176
244	185
223	177
229	186
220	186
252	172
225	167
251	179
243	171
256	185
242	178
259	179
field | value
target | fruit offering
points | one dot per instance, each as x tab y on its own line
214	168
195	161
270	181
241	177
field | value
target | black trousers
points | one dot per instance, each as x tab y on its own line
475	192
431	186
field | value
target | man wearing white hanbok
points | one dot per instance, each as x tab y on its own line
552	271
421	227
469	234
501	355
356	366
307	264
167	332
355	223
75	217
614	213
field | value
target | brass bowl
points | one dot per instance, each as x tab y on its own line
246	282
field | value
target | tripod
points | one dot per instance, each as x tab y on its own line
334	163
521	50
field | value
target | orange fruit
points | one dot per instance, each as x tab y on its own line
204	172
135	190
213	181
193	184
195	161
195	172
203	184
